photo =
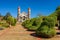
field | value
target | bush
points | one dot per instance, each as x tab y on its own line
45	31
32	24
26	23
14	22
33	28
46	28
49	21
11	21
42	30
35	24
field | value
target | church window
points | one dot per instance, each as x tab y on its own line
23	17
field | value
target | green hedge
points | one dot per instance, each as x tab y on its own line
32	24
46	28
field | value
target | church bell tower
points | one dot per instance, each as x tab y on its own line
29	12
18	15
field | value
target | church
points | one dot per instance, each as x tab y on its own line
21	17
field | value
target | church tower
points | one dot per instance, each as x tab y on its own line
18	10
29	12
18	18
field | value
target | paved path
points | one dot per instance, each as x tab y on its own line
16	33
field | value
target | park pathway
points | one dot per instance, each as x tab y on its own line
19	33
16	33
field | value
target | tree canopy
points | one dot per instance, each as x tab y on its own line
7	15
58	8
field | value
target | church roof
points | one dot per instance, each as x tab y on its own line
23	14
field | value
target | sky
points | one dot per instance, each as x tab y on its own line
43	7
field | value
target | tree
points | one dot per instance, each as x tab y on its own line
46	28
58	8
58	16
7	15
11	20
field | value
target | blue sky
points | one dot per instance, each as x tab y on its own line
44	7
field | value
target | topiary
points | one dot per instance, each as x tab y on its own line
42	31
26	23
51	32
46	28
34	28
49	21
33	23
36	23
45	31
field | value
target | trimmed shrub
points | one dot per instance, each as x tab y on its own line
26	23
45	31
35	24
42	30
33	28
46	28
32	24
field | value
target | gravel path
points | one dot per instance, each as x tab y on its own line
19	33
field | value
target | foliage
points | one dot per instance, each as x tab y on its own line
11	20
44	25
46	28
58	8
7	20
26	23
56	15
15	21
32	24
36	23
7	15
50	21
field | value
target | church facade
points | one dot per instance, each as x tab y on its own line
21	17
